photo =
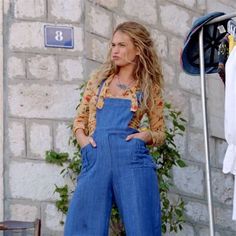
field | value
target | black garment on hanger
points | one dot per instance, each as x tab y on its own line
223	54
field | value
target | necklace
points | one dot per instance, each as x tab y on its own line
123	86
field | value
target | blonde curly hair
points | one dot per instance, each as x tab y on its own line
147	64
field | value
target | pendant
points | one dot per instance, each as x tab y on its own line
122	86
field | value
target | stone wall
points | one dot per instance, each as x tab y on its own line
1	113
41	93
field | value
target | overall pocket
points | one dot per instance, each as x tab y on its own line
89	156
141	155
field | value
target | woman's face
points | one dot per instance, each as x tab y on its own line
123	51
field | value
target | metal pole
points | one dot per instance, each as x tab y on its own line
206	140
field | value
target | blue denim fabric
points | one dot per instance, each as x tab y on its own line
116	170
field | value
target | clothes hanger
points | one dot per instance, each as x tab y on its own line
231	28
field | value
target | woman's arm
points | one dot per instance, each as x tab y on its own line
156	134
80	124
156	117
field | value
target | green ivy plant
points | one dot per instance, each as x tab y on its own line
165	156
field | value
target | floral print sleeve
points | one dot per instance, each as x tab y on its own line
83	111
156	117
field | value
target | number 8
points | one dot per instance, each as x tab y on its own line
59	36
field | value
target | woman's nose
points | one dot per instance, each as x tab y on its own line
115	50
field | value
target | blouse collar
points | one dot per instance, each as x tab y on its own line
132	90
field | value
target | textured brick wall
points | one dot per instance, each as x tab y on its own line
41	96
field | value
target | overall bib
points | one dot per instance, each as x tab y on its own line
116	170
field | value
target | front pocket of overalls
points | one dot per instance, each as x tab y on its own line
141	155
88	155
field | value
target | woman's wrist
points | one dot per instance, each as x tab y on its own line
80	135
150	137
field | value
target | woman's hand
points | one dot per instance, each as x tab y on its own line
83	140
144	135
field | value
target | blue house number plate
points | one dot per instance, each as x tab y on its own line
58	36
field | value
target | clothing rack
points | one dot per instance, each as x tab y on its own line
204	110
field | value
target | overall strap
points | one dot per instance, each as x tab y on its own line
139	95
100	88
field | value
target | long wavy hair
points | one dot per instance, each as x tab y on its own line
147	68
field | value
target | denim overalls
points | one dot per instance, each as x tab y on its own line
116	170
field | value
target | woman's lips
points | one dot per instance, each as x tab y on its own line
115	57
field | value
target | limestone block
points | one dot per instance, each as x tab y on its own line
34	180
178	99
42	67
168	73
187	231
111	4
90	67
16	138
23	212
35	37
190	83
53	218
18	32
188	3
222	187
40	139
119	19
160	41
216	126
15	67
216	105
98	20
231	3
196	147
221	146
175	47
223	216
180	142
205	231
147	14
6	6
197	211
70	10
62	135
96	48
71	69
215	5
189	179
201	4
196	113
43	100
170	13
228	3
216	95
30	9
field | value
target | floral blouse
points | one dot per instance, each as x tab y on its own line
86	111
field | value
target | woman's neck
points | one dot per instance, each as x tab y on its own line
126	73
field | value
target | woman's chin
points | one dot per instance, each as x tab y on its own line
120	64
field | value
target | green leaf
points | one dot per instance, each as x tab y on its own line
181	163
56	158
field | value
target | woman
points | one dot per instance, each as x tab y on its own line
116	164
